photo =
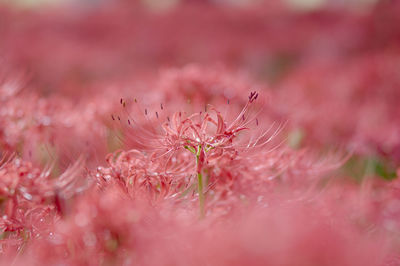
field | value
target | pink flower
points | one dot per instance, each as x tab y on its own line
32	200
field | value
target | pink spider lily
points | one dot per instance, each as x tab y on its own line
31	200
207	135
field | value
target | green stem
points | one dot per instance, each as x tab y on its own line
201	195
200	183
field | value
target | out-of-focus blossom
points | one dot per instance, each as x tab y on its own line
353	105
32	200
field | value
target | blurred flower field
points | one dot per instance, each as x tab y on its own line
200	132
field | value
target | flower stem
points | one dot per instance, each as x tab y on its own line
201	195
200	181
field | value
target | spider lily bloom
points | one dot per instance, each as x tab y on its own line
31	199
207	135
225	154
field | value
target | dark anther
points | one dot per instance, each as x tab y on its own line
120	101
145	111
129	122
119	118
253	95
161	106
157	114
256	121
112	116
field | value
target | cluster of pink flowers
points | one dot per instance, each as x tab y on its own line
270	135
